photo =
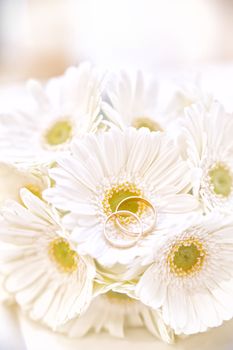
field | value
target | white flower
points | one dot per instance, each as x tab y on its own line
191	276
42	270
4	296
207	144
116	313
106	168
69	106
134	103
185	94
12	179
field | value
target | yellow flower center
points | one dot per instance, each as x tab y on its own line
36	190
118	298
221	180
117	193
61	253
186	257
59	133
146	123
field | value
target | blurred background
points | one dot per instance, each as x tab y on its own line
40	38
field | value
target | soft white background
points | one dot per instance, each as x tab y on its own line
167	38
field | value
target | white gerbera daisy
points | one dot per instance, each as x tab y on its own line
107	168
134	103
185	94
41	267
12	179
115	313
4	296
69	106
208	146
191	276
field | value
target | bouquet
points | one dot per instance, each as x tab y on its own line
116	212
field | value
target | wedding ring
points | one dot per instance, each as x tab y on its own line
148	204
116	242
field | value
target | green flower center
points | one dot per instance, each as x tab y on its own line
63	255
59	133
117	193
186	257
146	123
221	180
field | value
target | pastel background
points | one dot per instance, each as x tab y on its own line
167	38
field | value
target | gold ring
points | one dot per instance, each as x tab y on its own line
116	243
148	204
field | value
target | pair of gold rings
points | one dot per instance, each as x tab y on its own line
127	238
